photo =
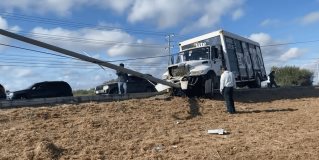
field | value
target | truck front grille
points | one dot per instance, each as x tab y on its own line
178	71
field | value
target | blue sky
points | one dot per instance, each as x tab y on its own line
129	29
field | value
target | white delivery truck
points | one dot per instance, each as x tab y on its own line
197	67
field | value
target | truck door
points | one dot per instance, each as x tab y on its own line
216	57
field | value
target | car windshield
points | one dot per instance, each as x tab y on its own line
30	87
195	54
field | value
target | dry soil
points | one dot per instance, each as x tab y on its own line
278	124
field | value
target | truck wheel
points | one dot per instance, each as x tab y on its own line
257	82
212	86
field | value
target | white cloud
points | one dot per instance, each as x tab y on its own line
262	38
215	10
162	13
82	39
59	7
275	55
22	73
119	6
165	13
4	25
270	54
291	53
211	13
269	22
114	43
310	18
237	14
125	50
62	7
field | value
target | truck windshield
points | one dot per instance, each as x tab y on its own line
196	54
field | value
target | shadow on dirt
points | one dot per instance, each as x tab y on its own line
194	110
268	110
271	94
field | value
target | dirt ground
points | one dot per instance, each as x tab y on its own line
271	124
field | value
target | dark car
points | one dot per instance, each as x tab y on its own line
45	89
134	85
2	92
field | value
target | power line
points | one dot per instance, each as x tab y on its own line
281	44
36	51
75	24
130	59
38	66
78	24
95	41
24	61
28	56
72	66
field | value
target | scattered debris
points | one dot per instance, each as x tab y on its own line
217	131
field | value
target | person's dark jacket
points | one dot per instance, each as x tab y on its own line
271	76
122	77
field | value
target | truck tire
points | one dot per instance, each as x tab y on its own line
256	83
212	86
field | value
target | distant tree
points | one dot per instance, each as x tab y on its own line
293	76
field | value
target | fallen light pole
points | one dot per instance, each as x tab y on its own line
83	57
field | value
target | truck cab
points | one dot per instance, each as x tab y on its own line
198	67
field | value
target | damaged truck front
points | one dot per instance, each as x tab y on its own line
197	67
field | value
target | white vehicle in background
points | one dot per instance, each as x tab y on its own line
197	67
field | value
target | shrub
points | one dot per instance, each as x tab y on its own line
293	76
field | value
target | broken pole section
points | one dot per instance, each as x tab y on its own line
83	57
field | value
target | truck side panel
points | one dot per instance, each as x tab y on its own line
241	60
244	59
248	62
231	55
261	63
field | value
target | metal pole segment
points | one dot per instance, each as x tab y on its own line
83	57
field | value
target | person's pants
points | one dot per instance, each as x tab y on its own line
273	83
228	96
122	85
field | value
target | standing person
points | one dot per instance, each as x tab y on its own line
272	79
227	85
121	80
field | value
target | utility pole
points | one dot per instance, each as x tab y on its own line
169	46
